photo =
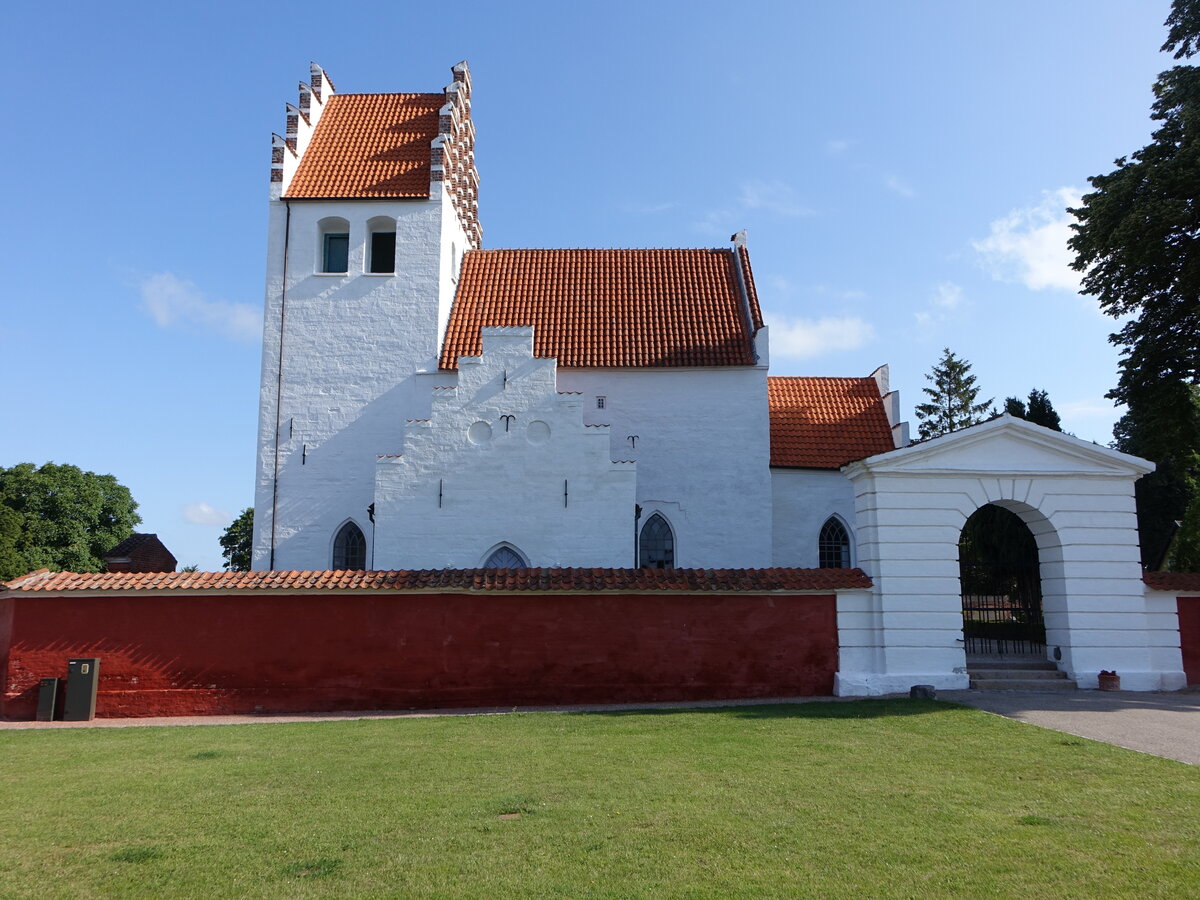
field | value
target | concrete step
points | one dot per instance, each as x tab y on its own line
1018	674
1022	684
1023	663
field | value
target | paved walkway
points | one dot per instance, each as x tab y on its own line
1162	724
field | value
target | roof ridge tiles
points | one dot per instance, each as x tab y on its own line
535	579
438	94
492	250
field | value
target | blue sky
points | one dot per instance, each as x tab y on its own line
901	169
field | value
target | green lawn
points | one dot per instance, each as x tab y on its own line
889	798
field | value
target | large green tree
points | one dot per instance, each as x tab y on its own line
951	404
1137	243
237	542
1037	409
61	517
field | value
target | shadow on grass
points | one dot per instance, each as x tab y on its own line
839	709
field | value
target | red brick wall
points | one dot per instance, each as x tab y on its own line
1189	636
150	556
177	655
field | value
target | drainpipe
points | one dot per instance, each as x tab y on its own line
739	241
637	514
287	234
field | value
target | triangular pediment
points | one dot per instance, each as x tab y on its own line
1008	446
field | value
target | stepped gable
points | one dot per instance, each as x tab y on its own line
453	580
611	308
824	423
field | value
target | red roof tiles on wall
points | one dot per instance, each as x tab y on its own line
369	145
1178	582
609	308
824	423
622	580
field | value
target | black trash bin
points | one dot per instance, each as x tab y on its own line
82	676
47	699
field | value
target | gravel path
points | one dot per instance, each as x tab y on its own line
1162	724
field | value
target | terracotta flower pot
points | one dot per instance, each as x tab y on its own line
1110	681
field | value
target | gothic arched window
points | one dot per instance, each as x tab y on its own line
349	548
833	546
505	557
656	546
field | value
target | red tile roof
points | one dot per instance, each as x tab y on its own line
369	145
824	423
452	580
1178	582
609	308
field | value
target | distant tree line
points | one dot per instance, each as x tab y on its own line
953	401
59	517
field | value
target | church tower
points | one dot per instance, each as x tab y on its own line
373	202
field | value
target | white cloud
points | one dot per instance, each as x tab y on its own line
201	513
837	145
946	300
806	338
774	197
947	295
1029	245
172	301
899	186
1090	409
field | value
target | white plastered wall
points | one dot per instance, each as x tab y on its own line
702	450
352	346
504	458
803	500
1076	498
1162	635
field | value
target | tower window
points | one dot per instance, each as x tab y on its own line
833	545
600	402
383	252
349	548
335	255
334	247
656	546
382	258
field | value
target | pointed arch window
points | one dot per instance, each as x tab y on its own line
656	546
833	546
504	557
349	548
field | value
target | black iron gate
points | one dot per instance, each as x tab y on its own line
1002	609
1001	585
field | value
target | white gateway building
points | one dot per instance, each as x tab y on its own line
427	403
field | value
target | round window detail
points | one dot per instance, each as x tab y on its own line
538	432
479	433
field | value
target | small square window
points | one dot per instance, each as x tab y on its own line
599	403
383	252
336	252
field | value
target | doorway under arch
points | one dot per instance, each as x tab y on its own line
1001	580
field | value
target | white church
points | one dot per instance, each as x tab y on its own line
427	403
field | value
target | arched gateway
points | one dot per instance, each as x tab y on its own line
918	508
1001	586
